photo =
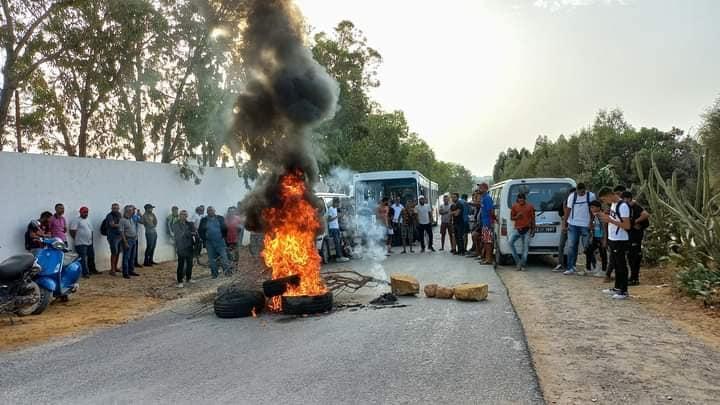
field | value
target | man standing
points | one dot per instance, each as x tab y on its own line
562	255
640	220
424	213
198	216
213	232
618	221
171	220
150	221
334	229
82	234
195	219
523	215
185	239
383	218
128	233
397	210
111	228
408	225
445	226
577	221
58	226
458	224
487	215
137	221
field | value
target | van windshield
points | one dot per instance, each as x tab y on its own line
543	196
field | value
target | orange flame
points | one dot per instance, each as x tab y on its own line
290	234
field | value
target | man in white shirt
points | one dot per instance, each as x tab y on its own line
577	222
445	224
618	220
424	214
334	229
81	231
397	207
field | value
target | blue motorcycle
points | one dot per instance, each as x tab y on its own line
59	272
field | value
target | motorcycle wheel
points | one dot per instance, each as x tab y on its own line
44	297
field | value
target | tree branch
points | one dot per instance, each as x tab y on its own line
25	38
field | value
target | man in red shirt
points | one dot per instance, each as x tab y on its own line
523	214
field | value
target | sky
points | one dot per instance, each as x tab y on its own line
475	77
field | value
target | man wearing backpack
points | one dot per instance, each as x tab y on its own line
577	221
640	220
618	220
111	228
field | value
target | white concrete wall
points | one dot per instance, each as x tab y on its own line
30	184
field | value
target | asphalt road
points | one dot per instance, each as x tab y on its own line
432	351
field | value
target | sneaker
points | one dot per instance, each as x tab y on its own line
432	249
620	296
180	285
558	268
582	273
191	281
134	274
569	272
343	259
611	291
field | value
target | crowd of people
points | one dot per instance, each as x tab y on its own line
609	225
462	222
121	228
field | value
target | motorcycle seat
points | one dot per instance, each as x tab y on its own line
13	267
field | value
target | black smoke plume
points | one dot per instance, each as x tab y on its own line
287	94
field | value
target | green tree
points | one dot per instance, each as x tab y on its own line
348	58
25	48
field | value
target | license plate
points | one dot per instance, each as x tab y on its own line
546	229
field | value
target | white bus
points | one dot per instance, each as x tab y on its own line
372	187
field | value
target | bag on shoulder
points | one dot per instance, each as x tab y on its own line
104	227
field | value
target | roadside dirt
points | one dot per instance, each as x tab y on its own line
104	301
590	349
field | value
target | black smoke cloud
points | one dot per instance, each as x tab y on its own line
287	94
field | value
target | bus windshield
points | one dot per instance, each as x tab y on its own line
370	192
543	196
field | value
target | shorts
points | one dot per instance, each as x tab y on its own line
486	234
114	245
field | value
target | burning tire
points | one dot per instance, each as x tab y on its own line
306	305
273	288
234	303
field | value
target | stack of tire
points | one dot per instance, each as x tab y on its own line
234	302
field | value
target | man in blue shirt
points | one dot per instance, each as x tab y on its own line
213	232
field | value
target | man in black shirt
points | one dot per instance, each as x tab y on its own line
640	220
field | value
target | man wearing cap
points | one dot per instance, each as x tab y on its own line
150	221
82	234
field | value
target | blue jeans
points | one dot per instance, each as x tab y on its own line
151	243
87	258
217	249
129	256
525	239
335	234
575	234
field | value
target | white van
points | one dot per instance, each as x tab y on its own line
548	196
